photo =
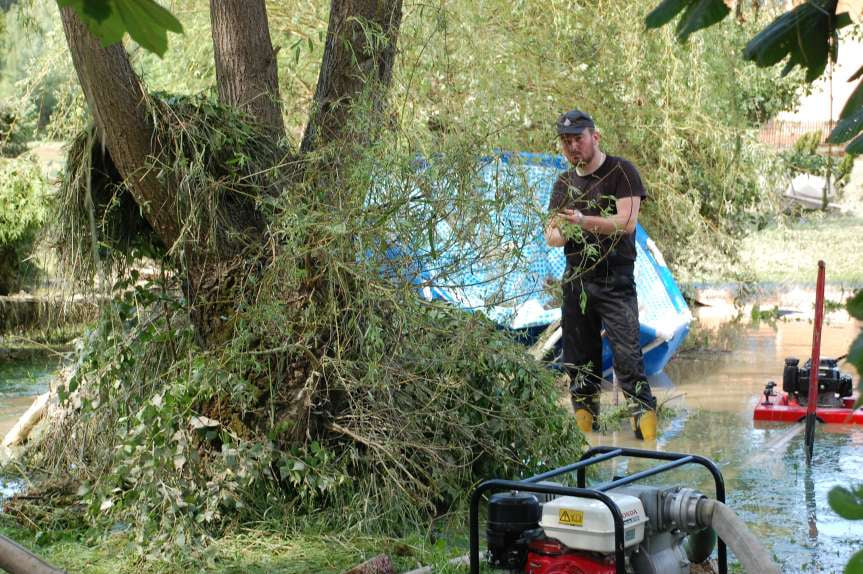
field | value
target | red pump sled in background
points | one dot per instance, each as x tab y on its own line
834	400
817	391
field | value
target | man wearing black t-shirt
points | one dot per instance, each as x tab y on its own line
594	208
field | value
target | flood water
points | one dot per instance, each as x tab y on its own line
768	483
20	381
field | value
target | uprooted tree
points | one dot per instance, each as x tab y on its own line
278	358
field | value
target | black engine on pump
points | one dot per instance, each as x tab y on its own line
833	385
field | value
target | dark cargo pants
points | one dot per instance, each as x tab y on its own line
611	302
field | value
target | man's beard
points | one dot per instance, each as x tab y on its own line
586	159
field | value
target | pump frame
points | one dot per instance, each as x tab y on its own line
593	456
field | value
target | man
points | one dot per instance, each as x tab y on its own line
594	210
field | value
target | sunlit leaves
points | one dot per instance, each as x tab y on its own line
23	199
697	14
847	503
855	565
146	21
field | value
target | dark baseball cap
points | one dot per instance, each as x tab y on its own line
574	122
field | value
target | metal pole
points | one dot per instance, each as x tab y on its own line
16	559
815	364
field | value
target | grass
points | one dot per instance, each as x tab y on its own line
266	548
788	252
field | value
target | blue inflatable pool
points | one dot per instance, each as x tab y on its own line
517	297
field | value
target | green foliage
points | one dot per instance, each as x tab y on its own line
855	564
338	392
225	167
411	431
23	209
804	157
848	503
37	82
769	315
697	14
806	35
695	149
13	134
803	35
274	546
849	120
146	21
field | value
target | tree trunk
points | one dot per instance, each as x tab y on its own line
116	100
358	59
246	71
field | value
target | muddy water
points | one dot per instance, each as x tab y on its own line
767	480
20	382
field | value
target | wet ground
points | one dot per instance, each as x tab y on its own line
713	395
767	480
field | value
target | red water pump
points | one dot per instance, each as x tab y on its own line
552	557
517	543
540	527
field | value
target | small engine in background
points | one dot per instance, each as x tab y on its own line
833	385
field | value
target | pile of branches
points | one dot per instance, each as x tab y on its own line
338	391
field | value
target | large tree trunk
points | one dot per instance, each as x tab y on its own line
116	100
246	70
358	59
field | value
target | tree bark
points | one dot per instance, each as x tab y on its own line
358	59
246	71
116	100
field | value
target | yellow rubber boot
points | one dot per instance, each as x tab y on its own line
584	420
644	425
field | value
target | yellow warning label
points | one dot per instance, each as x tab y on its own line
570	517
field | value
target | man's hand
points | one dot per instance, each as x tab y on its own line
572	216
554	235
623	221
